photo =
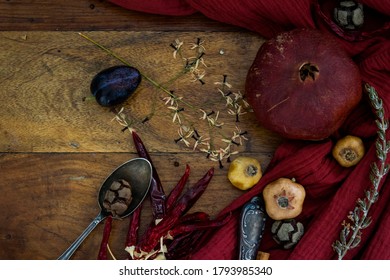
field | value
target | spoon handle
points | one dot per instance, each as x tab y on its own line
253	218
72	248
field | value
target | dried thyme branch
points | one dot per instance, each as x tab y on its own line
350	235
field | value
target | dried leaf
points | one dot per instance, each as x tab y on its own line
375	197
378	144
381	135
380	154
379	125
362	204
343	236
385	124
380	113
356	215
355	242
386	169
375	169
337	247
368	195
366	223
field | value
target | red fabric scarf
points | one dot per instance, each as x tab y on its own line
332	191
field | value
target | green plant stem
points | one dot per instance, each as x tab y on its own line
150	80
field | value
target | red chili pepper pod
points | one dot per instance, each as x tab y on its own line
186	201
132	234
106	236
177	190
183	246
203	225
194	217
187	239
192	195
156	190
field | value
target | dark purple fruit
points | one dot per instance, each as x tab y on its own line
114	85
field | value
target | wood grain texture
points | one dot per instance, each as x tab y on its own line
57	145
92	15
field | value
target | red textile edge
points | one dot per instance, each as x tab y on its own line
161	7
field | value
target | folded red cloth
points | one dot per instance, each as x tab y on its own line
332	191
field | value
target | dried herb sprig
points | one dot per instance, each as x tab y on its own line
359	219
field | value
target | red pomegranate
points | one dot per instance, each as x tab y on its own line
303	85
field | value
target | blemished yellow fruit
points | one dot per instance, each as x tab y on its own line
348	151
244	172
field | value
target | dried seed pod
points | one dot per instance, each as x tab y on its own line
283	199
244	172
348	151
287	232
118	198
349	15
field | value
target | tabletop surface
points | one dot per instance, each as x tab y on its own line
58	145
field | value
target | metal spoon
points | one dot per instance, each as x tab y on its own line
138	172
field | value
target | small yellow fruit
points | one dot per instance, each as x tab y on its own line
244	172
348	151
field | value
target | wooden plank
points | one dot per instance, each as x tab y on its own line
49	198
56	15
47	105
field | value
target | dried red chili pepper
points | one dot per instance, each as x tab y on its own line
182	246
132	234
157	198
189	238
157	193
194	217
185	228
192	194
106	236
171	199
177	190
180	207
193	237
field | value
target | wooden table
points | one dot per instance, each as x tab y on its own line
57	145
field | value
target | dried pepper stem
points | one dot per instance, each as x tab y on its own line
350	235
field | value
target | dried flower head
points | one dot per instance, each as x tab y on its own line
177	47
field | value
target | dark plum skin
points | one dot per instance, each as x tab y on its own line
115	85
